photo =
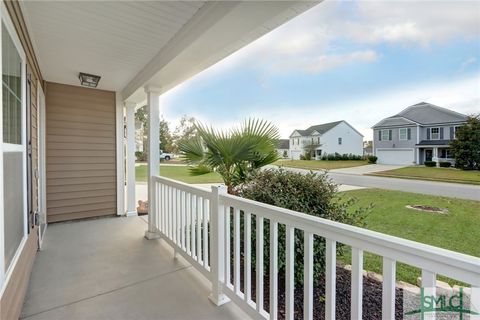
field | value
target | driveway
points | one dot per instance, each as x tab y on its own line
366	169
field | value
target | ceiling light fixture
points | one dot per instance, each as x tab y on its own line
88	80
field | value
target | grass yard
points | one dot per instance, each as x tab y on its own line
457	231
180	173
433	174
320	164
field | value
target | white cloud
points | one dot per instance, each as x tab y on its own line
309	44
461	96
468	62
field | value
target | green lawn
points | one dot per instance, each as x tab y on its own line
180	173
320	164
457	231
434	174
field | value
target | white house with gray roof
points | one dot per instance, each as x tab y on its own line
327	138
419	133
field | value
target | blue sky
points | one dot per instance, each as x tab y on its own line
343	60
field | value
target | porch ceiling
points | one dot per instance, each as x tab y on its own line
112	39
137	43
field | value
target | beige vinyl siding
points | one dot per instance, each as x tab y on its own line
81	152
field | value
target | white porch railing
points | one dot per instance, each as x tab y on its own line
198	224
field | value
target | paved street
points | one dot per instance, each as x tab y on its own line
456	190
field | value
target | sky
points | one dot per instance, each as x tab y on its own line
343	60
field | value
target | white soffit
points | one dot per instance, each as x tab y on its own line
131	44
113	39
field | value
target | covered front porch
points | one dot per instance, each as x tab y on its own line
105	269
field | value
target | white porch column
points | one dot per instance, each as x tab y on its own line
435	156
130	155
153	105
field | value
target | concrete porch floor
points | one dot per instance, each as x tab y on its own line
105	269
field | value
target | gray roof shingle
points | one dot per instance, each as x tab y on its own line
283	144
320	128
427	113
433	143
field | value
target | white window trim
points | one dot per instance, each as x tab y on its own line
400	134
431	133
6	274
388	134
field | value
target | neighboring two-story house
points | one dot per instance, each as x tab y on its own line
419	133
328	138
283	148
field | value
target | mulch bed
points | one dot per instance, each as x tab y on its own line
372	297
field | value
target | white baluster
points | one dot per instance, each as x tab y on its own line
247	278
273	269
259	267
308	276
330	277
357	284
388	289
236	252
205	233
290	272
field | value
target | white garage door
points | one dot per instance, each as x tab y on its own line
295	154
395	156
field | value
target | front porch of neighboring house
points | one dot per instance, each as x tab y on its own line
437	154
68	154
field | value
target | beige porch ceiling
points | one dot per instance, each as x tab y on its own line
131	44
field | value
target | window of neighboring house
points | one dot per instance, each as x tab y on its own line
455	132
293	142
318	140
385	134
298	141
435	133
445	153
339	140
402	134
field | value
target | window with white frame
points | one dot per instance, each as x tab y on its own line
385	134
402	134
435	133
13	145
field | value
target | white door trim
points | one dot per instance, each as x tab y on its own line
42	168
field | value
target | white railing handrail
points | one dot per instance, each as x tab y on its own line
449	263
204	227
184	186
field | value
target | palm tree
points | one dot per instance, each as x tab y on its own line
235	154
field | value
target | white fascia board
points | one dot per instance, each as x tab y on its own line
217	30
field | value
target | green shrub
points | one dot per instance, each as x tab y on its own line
445	164
285	154
307	156
141	156
302	157
372	159
430	164
314	194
